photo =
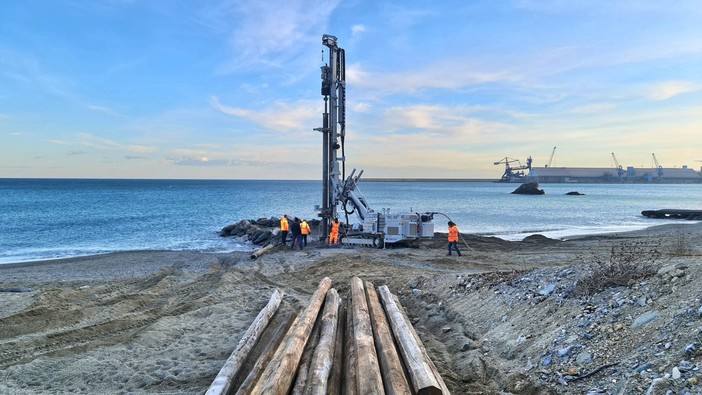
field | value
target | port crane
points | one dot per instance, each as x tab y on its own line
371	228
620	169
514	173
658	166
551	158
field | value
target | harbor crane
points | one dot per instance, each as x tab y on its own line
514	173
658	166
551	158
620	169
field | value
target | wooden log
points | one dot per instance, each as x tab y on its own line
368	378
275	342
335	377
419	370
303	368
223	381
349	380
391	368
321	365
444	388
261	251
278	377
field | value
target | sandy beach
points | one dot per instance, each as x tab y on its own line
149	322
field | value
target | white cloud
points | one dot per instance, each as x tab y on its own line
670	89
361	107
357	30
594	108
89	140
281	116
445	75
105	110
263	33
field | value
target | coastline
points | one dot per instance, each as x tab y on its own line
686	227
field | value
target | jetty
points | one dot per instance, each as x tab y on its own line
695	215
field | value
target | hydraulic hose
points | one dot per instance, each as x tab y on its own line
459	233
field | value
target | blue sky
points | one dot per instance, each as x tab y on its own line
230	89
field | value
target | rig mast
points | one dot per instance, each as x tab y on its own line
372	227
333	129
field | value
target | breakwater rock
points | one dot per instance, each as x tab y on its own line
694	215
529	188
259	231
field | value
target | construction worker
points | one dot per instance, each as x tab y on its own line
453	238
305	228
284	228
296	231
334	235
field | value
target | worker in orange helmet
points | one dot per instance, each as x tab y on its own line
284	228
334	236
305	229
453	238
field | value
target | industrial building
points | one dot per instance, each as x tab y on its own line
661	175
516	172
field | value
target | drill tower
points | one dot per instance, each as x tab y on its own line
372	228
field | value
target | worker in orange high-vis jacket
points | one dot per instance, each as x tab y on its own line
453	238
284	228
334	236
305	229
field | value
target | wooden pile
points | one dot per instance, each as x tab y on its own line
367	346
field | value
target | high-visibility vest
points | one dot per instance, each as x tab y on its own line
335	227
453	233
284	224
304	228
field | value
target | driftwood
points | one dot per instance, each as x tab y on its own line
419	369
394	381
349	387
334	386
442	384
321	364
261	251
303	368
278	377
275	342
222	383
368	378
365	346
444	388
609	365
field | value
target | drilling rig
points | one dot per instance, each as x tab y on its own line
339	191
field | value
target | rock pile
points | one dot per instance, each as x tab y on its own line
258	231
529	188
644	338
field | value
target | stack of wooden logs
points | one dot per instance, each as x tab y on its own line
366	346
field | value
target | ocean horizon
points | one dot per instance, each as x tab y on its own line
59	218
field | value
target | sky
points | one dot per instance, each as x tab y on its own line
230	89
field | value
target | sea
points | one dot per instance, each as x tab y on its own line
44	219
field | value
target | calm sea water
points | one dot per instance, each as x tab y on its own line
54	218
